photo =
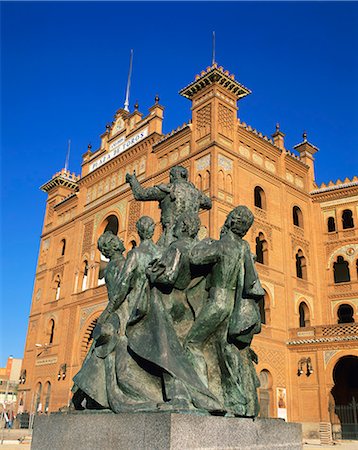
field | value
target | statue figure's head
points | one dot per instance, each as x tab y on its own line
109	244
186	225
239	220
178	173
145	227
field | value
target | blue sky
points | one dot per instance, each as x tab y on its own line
63	74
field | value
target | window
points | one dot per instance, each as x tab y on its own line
341	270
63	247
229	185
85	276
111	224
265	393
133	244
51	331
260	197
264	307
262	310
38	405
47	395
304	313
206	180
199	182
301	268
331	224
221	181
297	217
347	219
345	314
261	249
57	286
87	338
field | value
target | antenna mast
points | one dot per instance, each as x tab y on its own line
213	58
68	154
126	102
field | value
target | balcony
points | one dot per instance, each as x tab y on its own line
341	234
323	333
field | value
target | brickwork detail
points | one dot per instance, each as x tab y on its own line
203	124
343	330
50	211
58	270
277	360
225	120
300	243
134	214
87	237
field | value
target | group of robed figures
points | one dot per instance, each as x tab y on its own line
181	314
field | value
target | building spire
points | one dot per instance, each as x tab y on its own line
213	56
68	154
126	102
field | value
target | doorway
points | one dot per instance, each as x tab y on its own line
344	410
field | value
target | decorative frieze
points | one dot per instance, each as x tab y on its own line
203	121
203	163
87	237
225	163
349	252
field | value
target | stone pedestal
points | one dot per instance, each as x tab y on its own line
161	431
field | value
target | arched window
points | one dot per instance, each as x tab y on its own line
87	339
345	314
199	182
221	180
297	217
331	224
85	276
51	331
264	307
265	393
133	243
301	267
38	405
262	310
260	197
47	396
63	247
347	219
206	180
304	313
341	270
57	287
111	224
261	249
229	186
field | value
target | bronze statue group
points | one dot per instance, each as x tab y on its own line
176	333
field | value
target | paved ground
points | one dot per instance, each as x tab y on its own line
339	445
9	440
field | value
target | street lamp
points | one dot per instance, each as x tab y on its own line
309	368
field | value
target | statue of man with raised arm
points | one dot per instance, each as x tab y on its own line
177	197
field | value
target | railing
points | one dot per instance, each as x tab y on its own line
344	419
324	331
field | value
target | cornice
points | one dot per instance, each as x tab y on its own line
215	75
321	196
60	180
259	137
175	134
65	200
121	159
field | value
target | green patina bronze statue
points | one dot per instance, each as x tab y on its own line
181	315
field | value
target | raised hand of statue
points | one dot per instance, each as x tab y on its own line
130	177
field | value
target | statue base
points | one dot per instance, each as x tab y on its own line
161	430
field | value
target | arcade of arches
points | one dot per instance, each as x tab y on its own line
304	239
